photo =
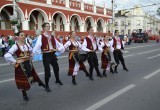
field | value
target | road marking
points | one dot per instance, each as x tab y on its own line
128	55
152	74
148	51
111	97
7	80
140	46
153	56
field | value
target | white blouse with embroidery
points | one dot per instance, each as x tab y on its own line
9	55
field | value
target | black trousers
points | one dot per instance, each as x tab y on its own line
3	51
93	63
50	59
118	57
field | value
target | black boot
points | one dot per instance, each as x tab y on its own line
98	73
124	66
25	97
115	69
73	80
40	83
47	85
58	81
85	71
104	73
111	70
48	89
91	74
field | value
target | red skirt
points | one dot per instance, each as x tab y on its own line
71	65
104	61
22	80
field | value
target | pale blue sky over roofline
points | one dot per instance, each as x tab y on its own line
127	4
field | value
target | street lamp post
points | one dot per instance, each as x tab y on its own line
113	16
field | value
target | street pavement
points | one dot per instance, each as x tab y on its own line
137	89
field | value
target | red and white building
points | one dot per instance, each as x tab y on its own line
63	15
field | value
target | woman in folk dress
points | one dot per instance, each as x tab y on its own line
104	46
25	73
74	65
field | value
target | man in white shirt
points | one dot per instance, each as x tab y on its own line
49	45
117	45
90	46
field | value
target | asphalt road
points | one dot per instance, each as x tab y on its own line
137	89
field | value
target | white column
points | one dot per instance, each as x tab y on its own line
95	28
105	11
25	25
82	5
67	3
82	28
50	23
104	29
49	1
67	27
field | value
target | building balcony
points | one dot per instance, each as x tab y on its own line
75	4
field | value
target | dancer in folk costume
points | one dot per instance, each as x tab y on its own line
73	63
117	45
49	45
90	46
82	66
106	63
25	73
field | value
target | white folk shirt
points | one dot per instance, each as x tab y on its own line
94	44
38	45
102	44
9	55
118	46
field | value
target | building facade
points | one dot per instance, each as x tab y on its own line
63	16
127	21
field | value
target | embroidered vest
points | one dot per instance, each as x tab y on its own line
45	44
72	47
20	53
115	43
89	43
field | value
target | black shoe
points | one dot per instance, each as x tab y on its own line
111	71
48	89
99	75
41	84
60	83
74	82
26	98
91	78
104	74
125	69
87	75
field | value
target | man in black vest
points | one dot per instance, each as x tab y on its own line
49	45
117	44
90	46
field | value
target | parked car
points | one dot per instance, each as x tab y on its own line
140	37
152	37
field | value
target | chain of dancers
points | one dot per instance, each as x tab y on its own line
47	48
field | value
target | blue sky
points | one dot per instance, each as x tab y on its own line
126	4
